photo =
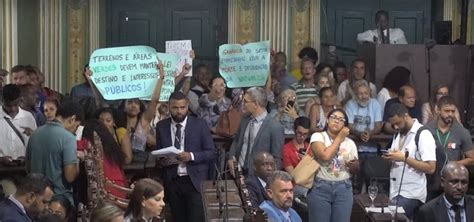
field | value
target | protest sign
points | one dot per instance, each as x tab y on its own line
245	65
170	62
124	72
183	49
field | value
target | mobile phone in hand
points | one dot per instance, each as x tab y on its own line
291	103
384	152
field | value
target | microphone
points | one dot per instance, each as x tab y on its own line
401	181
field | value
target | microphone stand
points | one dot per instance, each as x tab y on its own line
401	181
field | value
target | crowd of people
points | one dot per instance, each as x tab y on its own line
331	113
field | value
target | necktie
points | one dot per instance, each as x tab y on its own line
457	211
177	137
245	152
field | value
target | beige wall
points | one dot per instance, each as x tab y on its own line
28	32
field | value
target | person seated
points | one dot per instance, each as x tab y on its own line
345	91
146	201
322	80
318	112
287	110
106	212
382	34
364	113
340	71
407	97
395	78
428	109
454	204
213	103
280	193
294	150
306	87
305	53
33	194
264	165
61	207
279	72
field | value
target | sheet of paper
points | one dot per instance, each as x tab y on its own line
166	152
385	209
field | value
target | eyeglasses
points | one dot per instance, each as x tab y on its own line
334	117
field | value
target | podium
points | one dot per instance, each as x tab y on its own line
449	65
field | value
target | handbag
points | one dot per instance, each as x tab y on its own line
304	172
228	122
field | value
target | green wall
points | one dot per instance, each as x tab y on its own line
28	32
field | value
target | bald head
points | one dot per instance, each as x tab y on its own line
264	164
407	96
455	181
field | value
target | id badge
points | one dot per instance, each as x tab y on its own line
452	146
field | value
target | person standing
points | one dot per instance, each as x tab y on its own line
184	174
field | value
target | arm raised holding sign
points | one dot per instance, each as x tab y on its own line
99	99
150	111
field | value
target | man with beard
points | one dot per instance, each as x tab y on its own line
280	192
184	173
420	159
365	119
264	165
34	192
454	205
451	137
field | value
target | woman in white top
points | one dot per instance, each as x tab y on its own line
331	197
318	113
146	201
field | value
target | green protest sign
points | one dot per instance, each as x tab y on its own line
245	65
124	72
131	72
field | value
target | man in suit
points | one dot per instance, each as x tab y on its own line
280	193
264	165
453	205
32	197
184	174
258	132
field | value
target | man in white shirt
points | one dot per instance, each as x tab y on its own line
382	34
421	160
16	126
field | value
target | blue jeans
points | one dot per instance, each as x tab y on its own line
330	201
409	205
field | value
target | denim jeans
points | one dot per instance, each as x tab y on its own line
409	205
330	201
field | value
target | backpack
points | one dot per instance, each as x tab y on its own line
433	181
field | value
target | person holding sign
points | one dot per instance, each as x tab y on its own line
213	103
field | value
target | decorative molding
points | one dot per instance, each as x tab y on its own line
315	20
232	19
51	43
247	4
300	5
274	23
94	25
247	26
9	39
76	53
300	34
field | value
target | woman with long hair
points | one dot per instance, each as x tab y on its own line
318	112
331	198
428	110
393	81
146	201
106	212
113	156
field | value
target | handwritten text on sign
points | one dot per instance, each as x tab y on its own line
183	49
124	72
245	66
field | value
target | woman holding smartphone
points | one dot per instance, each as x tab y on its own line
331	198
286	111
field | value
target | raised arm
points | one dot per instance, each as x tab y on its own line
327	153
150	111
99	99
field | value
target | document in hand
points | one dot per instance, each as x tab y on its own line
166	152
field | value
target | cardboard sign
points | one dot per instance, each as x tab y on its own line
183	49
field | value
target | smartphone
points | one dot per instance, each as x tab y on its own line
384	152
291	103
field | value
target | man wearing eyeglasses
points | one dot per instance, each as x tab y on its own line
453	205
257	132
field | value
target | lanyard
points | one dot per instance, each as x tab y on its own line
445	139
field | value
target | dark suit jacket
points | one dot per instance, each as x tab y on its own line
198	140
270	138
436	211
256	190
10	212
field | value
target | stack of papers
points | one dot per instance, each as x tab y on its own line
166	152
385	210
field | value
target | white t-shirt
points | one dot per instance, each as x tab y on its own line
414	181
335	170
11	143
382	98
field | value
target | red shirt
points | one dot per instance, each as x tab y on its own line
290	154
